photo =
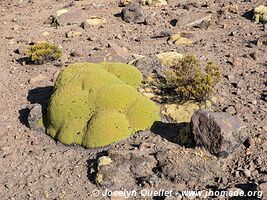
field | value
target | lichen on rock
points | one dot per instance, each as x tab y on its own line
98	104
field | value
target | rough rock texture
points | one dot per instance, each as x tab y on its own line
132	13
124	166
68	17
168	59
35	118
149	65
188	165
97	104
218	132
145	164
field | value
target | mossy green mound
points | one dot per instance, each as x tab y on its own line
97	104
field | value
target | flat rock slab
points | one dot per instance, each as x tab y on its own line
191	166
181	166
124	168
70	17
218	132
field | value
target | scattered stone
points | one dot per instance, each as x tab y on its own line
94	21
45	33
263	187
103	161
148	65
193	166
120	51
73	34
37	79
168	59
178	39
246	172
218	132
197	21
231	110
260	14
68	17
35	121
262	41
64	58
154	2
237	62
61	12
77	53
133	13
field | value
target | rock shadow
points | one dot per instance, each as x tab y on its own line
248	14
172	132
40	95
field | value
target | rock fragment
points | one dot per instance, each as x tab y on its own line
73	34
66	17
260	14
37	79
95	21
202	23
188	165
218	132
132	13
35	121
178	39
120	166
168	59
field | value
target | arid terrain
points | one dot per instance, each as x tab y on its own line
35	166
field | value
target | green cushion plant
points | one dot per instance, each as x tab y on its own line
95	105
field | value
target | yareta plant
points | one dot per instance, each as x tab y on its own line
95	105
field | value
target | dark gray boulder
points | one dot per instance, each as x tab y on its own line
218	132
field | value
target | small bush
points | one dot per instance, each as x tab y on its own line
186	79
43	52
